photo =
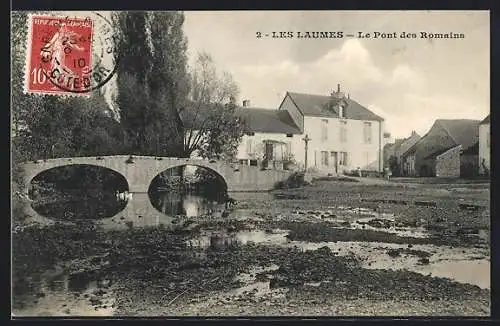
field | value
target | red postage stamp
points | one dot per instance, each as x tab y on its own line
59	58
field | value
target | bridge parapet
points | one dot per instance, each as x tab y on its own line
140	174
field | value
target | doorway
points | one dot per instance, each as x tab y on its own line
335	161
269	151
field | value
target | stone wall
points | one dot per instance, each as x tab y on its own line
448	163
141	171
435	140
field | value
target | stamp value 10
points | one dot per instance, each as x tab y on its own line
62	57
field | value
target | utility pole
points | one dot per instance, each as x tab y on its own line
306	140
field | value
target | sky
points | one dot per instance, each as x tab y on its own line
409	82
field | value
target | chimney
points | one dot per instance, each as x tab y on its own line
246	103
413	132
338	93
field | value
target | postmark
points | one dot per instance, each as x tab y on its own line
69	55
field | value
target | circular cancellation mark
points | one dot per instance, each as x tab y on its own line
80	56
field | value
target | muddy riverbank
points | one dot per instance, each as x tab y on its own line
333	254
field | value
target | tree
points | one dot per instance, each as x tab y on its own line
394	165
50	126
23	106
94	131
152	80
211	126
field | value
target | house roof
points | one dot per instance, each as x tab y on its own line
316	106
408	143
256	119
439	152
473	150
486	120
268	120
463	131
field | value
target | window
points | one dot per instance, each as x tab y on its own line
343	158
367	132
366	158
253	162
250	133
343	134
324	158
249	146
324	129
288	148
289	135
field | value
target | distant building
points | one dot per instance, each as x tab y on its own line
449	149
393	154
269	138
484	146
343	135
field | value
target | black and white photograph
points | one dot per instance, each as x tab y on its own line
250	163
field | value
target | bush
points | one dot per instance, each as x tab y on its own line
296	180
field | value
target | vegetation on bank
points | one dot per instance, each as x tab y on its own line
296	180
162	106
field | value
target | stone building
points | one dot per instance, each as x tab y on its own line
444	135
436	152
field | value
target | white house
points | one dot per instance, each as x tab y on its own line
272	137
341	134
484	146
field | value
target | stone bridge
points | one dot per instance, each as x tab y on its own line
141	170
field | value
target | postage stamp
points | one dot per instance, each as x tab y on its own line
66	56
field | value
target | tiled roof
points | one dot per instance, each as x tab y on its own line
408	143
439	152
463	131
267	120
316	106
486	120
256	119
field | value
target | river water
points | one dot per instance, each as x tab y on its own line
56	292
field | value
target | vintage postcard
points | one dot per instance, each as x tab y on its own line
250	163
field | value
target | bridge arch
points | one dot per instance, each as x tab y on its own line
118	173
35	168
221	175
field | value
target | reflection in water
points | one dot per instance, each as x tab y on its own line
169	203
62	295
81	208
174	203
187	190
458	264
139	211
224	239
